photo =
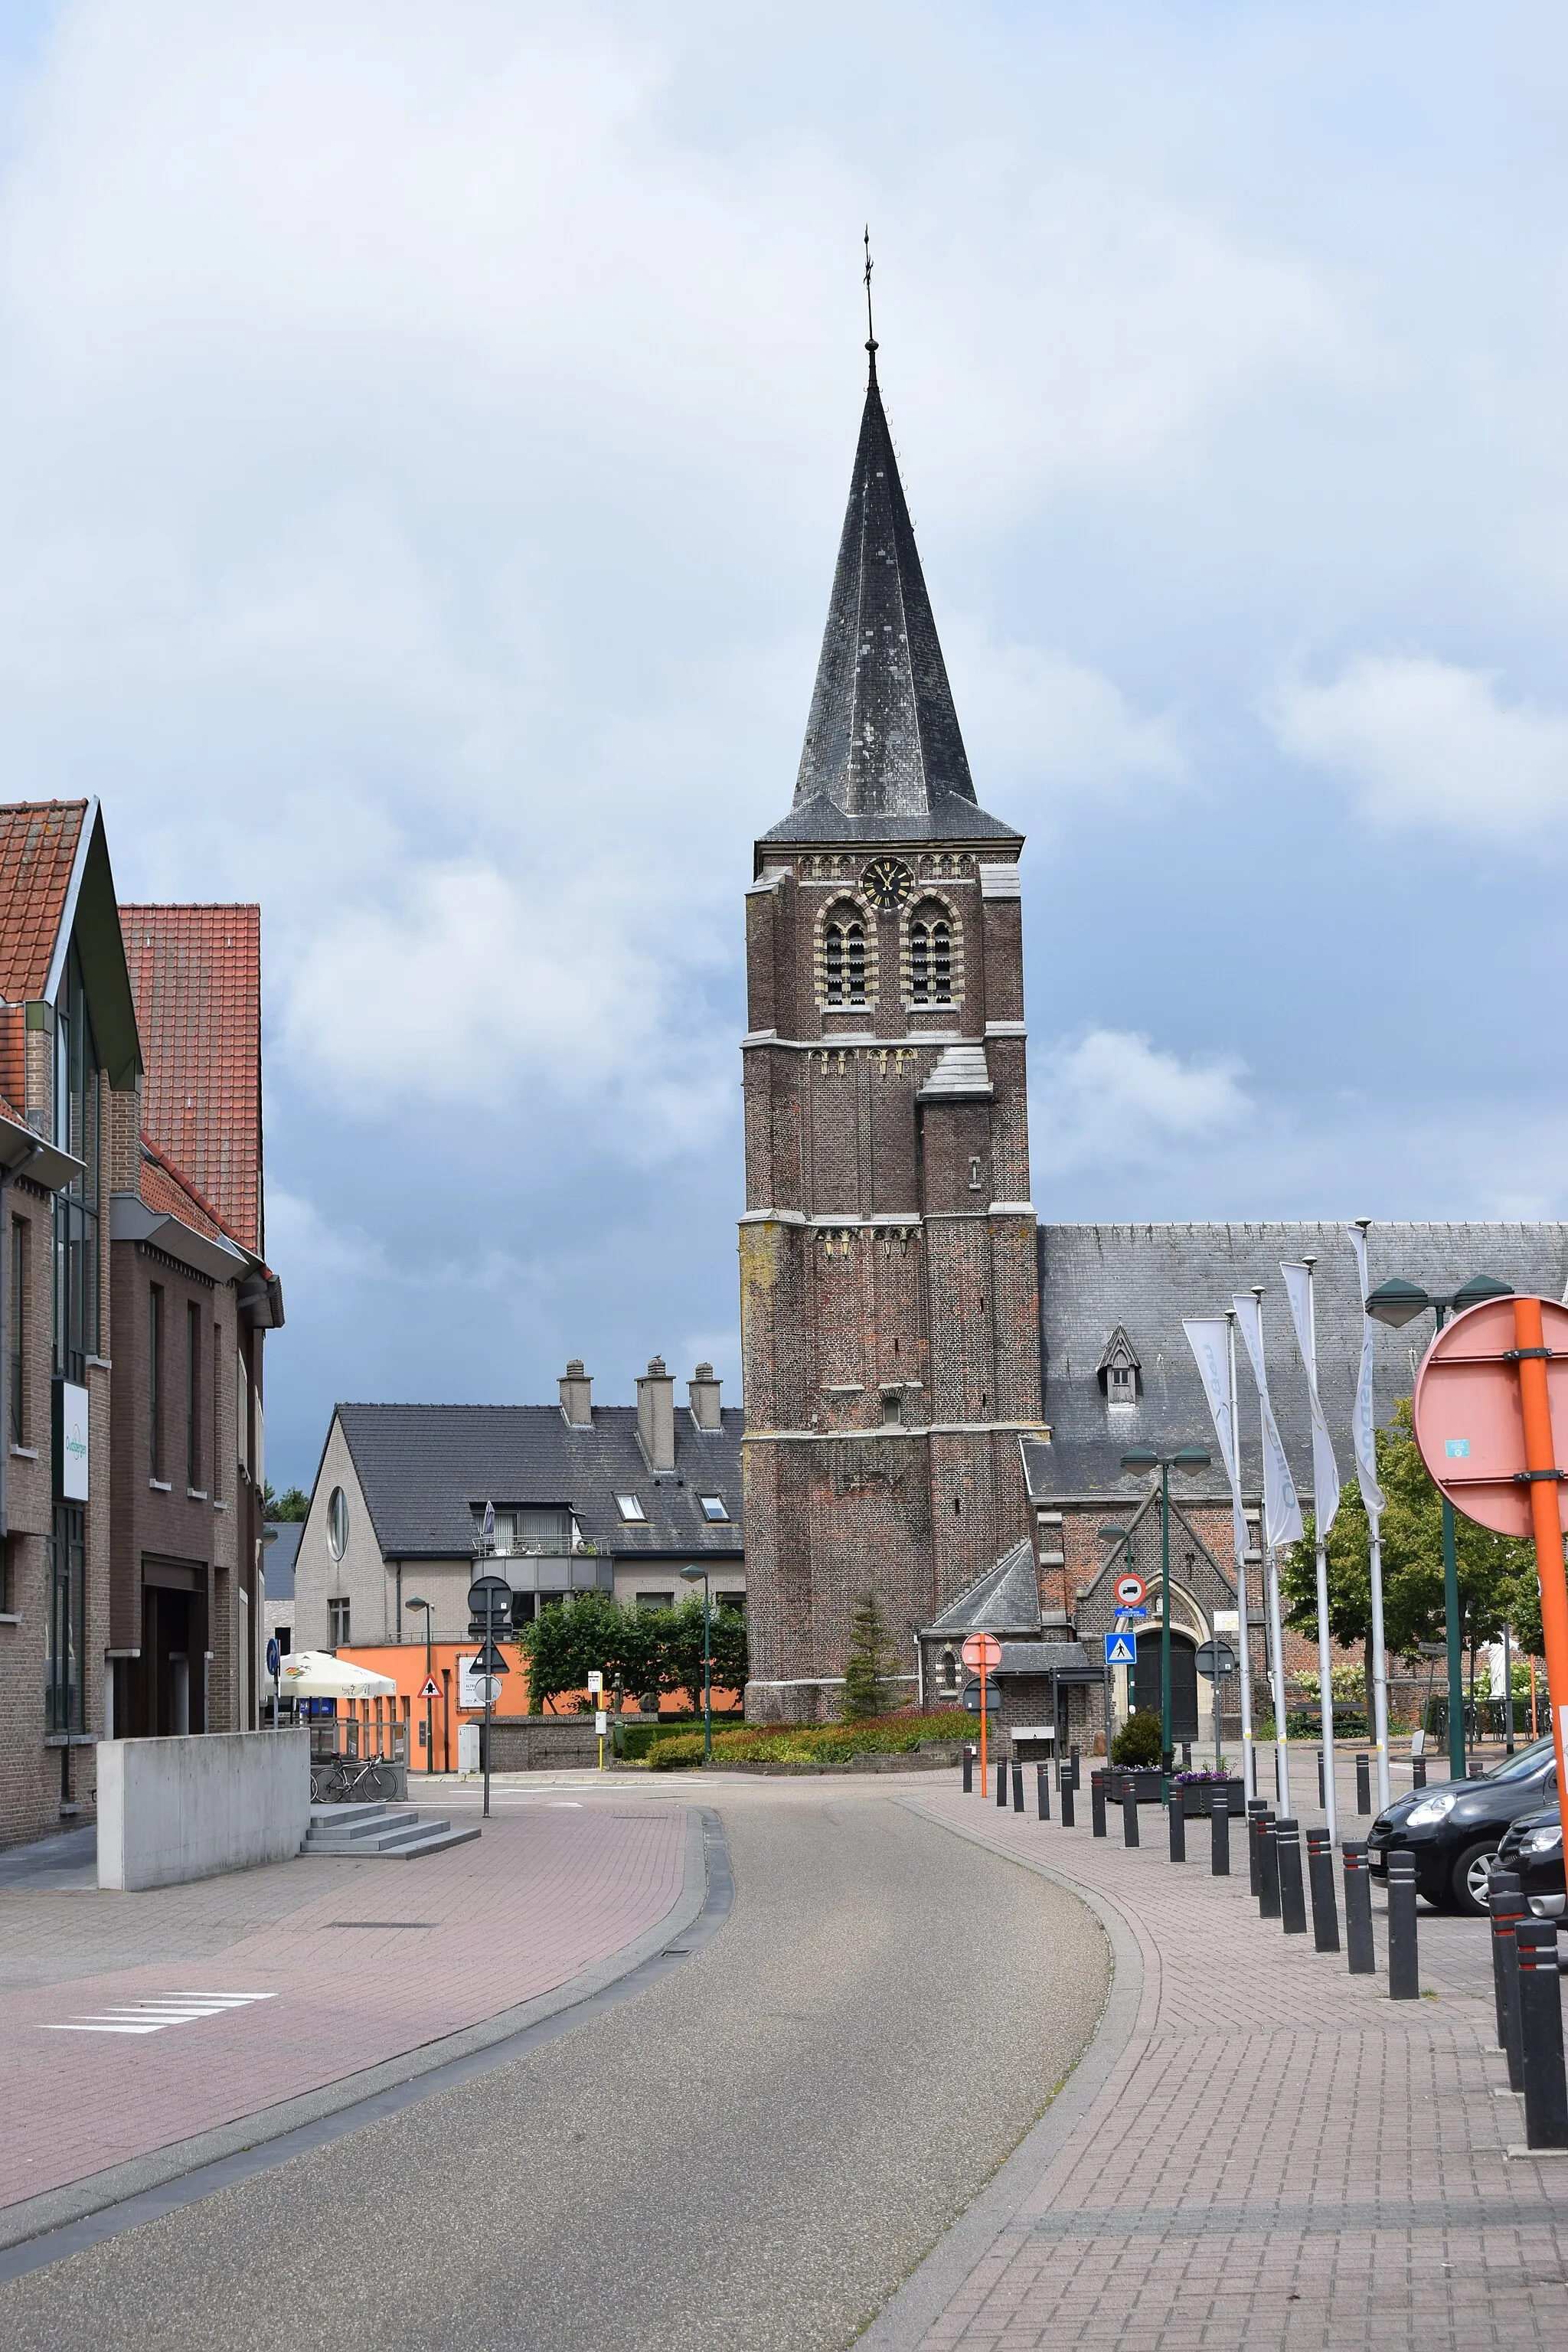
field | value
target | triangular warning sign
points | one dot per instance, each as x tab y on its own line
490	1661
430	1690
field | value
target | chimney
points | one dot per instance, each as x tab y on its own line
577	1396
704	1391
656	1415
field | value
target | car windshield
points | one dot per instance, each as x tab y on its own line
1521	1766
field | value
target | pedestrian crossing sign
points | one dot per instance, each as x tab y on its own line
1121	1650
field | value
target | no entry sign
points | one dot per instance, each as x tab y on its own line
1131	1590
982	1651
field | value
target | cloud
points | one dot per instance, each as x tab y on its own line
1113	1100
1424	744
1044	728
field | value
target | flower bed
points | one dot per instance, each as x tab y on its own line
797	1745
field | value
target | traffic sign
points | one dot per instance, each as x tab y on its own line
490	1599
595	1682
982	1650
274	1657
1131	1590
489	1689
490	1661
972	1697
429	1690
1121	1650
1216	1659
1469	1424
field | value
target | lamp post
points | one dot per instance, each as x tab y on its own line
689	1576
1189	1459
429	1677
1396	1303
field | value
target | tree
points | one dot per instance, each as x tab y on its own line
867	1689
649	1649
680	1639
1497	1576
293	1502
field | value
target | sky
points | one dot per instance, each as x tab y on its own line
423	440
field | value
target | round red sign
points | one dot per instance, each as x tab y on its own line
1469	1424
982	1650
1131	1590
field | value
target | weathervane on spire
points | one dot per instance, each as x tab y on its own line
870	330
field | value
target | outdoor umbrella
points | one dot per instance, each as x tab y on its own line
316	1673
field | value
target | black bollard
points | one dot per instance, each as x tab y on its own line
1069	1802
968	1770
1418	1772
1322	1798
1017	1786
1358	1909
1128	1810
1320	1876
1404	1968
1540	2035
1001	1782
1256	1808
1219	1834
1177	1825
1076	1762
1043	1790
1288	1857
1364	1784
1097	1803
1506	1907
1267	1869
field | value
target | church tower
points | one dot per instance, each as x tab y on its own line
890	1317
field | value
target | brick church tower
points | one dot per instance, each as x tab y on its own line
889	1314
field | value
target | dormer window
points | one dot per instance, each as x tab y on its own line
630	1508
1118	1371
713	1508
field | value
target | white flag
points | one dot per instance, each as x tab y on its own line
1281	1511
1363	1420
1208	1338
1325	1469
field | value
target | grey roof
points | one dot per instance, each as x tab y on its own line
423	1469
1005	1600
883	758
277	1559
1147	1278
1070	1660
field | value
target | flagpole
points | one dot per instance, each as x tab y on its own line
1374	1565
1238	1545
1271	1602
1325	1662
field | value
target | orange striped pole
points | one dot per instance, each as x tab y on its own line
983	1723
1545	1483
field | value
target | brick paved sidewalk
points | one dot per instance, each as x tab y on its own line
1279	2154
361	1962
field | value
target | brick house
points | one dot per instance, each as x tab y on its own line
86	1199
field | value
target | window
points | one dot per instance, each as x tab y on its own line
930	959
338	1526
656	1600
17	1337
630	1507
1120	1383
193	1395
528	1529
948	1674
524	1608
155	1382
285	1639
735	1602
65	1633
337	1624
76	1130
844	945
218	1414
713	1506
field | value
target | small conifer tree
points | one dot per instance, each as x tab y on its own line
867	1687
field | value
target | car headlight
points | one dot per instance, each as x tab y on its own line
1544	1840
1430	1809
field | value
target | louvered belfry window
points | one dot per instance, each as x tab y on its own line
844	962
931	961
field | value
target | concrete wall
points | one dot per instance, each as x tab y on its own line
170	1810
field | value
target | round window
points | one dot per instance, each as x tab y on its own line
338	1523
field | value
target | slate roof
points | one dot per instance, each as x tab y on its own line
883	758
423	1467
277	1559
38	844
1147	1278
195	972
1004	1599
1070	1660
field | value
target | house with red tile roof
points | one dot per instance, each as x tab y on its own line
134	1298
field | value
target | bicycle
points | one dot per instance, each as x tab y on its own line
348	1780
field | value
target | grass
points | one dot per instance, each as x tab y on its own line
830	1743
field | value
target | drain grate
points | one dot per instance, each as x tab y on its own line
383	1923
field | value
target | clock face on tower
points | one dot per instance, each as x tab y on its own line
886	882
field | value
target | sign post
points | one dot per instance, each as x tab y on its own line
489	1610
596	1691
274	1664
1485	1398
981	1654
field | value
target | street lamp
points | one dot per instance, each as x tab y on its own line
1190	1460
689	1576
1396	1303
429	1678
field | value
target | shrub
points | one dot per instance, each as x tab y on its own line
867	1691
1138	1741
829	1743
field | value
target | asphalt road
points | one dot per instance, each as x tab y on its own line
755	2152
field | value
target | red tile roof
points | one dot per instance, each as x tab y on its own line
38	842
173	1195
13	1054
196	973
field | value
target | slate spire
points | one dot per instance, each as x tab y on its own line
884	758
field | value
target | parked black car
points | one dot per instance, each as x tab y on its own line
1534	1846
1454	1830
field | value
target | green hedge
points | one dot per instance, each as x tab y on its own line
830	1743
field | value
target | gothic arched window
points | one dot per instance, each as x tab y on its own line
931	955
843	960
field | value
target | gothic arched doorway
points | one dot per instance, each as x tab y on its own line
1183	1681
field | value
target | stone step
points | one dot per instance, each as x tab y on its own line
382	1833
437	1844
371	1828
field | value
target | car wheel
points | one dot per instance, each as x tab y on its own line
1471	1874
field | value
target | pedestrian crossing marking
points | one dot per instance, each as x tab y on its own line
157	2012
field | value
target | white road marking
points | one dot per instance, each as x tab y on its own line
152	2015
